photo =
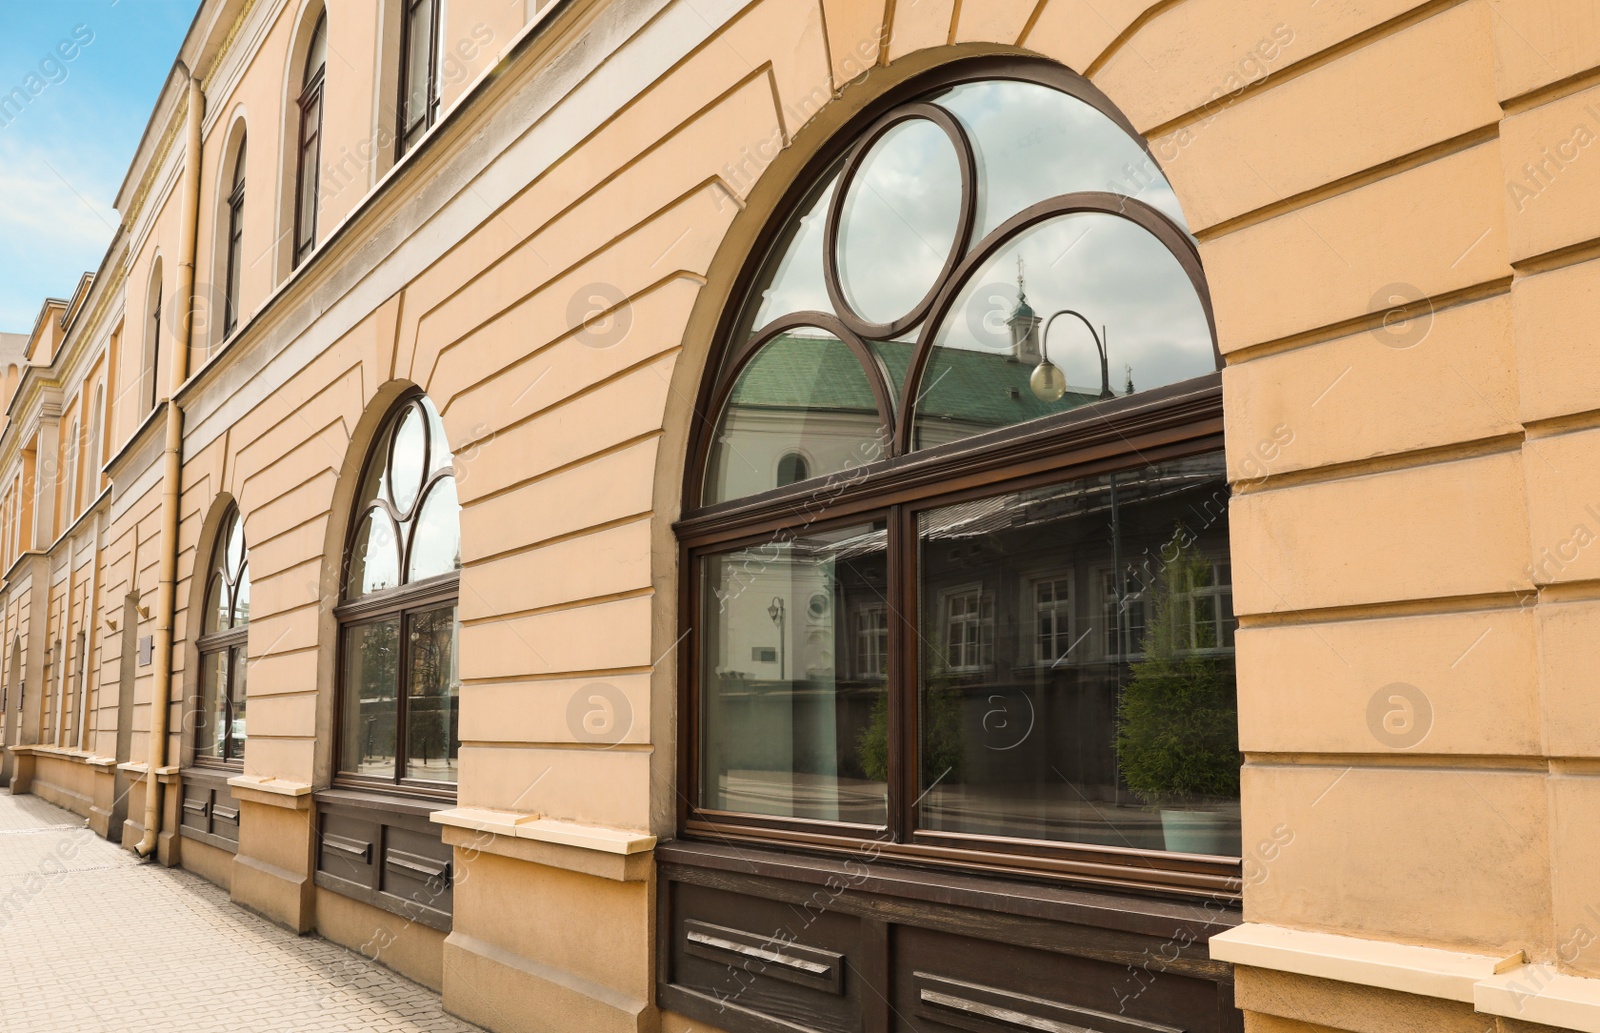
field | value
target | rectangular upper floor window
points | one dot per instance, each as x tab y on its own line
419	65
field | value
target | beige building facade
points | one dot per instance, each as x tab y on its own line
846	514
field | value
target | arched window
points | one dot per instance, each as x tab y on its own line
150	367
224	661
418	107
234	244
308	152
400	691
990	621
792	469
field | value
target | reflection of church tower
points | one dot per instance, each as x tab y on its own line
1024	324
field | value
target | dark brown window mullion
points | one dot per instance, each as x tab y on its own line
402	696
902	687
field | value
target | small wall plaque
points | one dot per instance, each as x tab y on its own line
147	648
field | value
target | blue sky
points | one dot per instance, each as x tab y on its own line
64	151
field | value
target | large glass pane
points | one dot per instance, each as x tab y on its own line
433	696
371	688
210	717
1123	281
804	394
794	674
236	696
1077	674
436	535
1035	143
899	220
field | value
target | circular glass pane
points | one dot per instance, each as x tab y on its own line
436	535
899	220
407	460
1127	286
241	599
803	393
374	555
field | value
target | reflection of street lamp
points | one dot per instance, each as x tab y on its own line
775	611
1048	382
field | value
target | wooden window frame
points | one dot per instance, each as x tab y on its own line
235	246
401	601
155	351
309	138
232	642
409	128
1129	432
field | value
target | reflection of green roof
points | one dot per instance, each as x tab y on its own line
984	388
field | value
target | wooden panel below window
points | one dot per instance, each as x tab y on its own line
385	853
209	814
771	942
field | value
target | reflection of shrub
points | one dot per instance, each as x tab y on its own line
941	745
1177	722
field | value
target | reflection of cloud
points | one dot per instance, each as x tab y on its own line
1033	143
899	220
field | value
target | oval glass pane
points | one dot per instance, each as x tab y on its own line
436	534
374	555
216	604
803	393
407	460
1034	143
241	598
899	220
1123	280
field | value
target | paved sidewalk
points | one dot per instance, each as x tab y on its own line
77	954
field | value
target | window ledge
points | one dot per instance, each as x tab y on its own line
1504	987
519	825
270	790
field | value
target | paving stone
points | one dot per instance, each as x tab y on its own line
96	940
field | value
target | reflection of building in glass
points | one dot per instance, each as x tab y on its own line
803	406
1021	655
